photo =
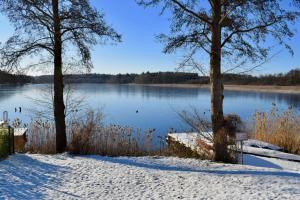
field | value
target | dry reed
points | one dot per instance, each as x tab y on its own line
41	137
90	136
281	129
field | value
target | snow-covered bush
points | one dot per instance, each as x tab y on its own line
205	144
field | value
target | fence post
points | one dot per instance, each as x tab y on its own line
5	117
9	141
11	137
13	140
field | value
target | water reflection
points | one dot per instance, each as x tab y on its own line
279	98
157	106
142	90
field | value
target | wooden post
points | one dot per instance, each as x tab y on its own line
240	137
5	117
13	141
9	141
242	152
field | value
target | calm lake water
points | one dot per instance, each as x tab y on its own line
146	106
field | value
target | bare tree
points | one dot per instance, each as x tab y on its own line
49	27
43	109
236	30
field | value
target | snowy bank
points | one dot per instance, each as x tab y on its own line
250	146
95	177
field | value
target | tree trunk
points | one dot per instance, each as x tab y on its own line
217	116
59	106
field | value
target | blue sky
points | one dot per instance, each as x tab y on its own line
140	51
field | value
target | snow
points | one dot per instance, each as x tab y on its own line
251	146
94	177
190	139
20	131
260	148
271	153
275	163
260	144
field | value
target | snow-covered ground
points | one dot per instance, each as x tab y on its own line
94	177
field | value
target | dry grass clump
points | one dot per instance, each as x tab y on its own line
281	129
88	135
41	137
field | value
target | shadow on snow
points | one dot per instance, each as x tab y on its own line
157	166
259	162
22	177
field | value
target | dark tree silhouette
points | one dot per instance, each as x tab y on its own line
232	29
50	26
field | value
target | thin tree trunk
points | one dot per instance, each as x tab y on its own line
217	116
59	107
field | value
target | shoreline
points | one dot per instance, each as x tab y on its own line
245	88
254	88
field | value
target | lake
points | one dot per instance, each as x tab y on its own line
141	106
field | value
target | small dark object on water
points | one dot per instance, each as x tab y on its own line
137	111
20	110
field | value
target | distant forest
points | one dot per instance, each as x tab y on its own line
290	78
7	78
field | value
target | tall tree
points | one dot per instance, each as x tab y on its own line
50	27
235	30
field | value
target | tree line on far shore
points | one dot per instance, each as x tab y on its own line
7	78
284	79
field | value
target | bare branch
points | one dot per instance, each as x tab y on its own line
250	69
192	13
34	4
238	31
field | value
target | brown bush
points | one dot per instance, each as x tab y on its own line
20	142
